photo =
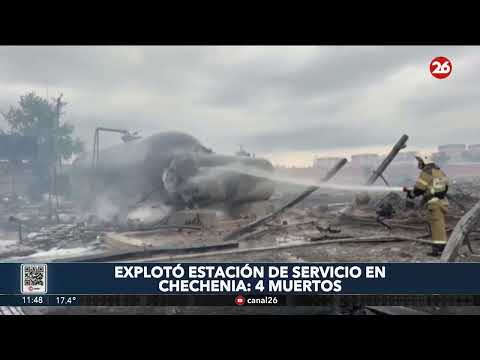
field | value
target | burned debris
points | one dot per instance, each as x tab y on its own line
174	169
168	196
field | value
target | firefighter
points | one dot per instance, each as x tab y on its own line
432	184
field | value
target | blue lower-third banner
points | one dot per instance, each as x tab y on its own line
240	278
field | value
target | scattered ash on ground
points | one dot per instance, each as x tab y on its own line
312	231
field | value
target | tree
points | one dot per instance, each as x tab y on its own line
36	116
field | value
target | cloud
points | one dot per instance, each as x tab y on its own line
270	99
315	138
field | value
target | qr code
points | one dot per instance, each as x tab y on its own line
34	278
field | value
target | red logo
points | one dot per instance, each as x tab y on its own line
30	288
441	67
240	300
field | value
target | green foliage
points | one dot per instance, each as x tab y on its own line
36	116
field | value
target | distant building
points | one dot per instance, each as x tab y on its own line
326	162
365	160
405	157
452	152
472	153
452	148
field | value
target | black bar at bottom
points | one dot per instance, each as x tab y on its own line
246	300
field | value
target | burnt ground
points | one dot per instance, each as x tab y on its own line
302	234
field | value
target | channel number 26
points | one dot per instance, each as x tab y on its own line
441	67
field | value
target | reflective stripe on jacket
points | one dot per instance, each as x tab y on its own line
432	182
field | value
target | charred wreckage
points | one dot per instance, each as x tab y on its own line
167	197
173	167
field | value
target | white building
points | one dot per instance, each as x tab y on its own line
361	160
406	157
326	162
454	152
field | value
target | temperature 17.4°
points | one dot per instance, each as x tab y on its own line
65	300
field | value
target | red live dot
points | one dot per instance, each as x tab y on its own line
240	300
441	67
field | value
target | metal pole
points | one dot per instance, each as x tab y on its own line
55	154
331	173
12	177
20	237
401	144
94	163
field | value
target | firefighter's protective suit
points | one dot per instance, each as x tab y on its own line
432	184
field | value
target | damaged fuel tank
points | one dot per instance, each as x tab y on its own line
173	166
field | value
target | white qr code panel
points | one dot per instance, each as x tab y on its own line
34	279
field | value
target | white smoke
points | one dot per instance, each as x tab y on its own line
105	209
288	179
148	214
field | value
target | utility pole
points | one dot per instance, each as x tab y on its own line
378	173
54	159
127	137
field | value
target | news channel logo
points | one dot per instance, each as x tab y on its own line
34	278
239	300
441	67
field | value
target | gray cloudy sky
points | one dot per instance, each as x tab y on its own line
286	103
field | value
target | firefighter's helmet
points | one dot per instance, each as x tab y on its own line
424	159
